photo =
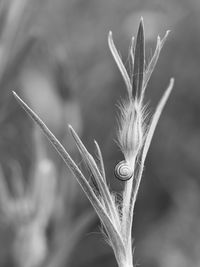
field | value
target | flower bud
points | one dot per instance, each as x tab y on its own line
131	131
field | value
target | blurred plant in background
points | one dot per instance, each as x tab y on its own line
31	208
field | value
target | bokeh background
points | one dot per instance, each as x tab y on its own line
54	54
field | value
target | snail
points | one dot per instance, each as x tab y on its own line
123	171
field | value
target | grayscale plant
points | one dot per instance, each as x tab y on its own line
134	136
29	210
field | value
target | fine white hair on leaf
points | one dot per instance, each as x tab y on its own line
131	128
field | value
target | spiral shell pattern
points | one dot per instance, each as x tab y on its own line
123	171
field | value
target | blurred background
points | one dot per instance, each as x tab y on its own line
54	54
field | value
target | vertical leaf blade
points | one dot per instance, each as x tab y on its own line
139	57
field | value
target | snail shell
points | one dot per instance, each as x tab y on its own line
123	171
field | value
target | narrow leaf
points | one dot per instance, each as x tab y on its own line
100	158
62	152
155	118
139	170
153	61
139	56
102	186
132	51
119	63
112	231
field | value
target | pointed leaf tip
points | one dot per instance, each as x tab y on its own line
14	93
110	34
70	127
19	100
142	21
141	27
139	58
